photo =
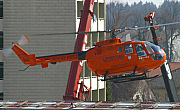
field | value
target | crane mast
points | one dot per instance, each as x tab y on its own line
80	45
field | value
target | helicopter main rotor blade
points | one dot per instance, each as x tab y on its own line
114	30
137	28
67	33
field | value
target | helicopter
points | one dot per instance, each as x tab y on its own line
108	58
128	61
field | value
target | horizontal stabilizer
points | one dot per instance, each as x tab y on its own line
44	65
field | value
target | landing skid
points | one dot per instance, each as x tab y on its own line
128	78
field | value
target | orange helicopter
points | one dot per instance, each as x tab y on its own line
128	61
108	58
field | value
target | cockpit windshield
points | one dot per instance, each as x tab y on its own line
153	51
151	48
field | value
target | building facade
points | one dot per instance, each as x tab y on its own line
1	47
39	17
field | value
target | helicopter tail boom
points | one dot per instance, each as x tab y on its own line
32	60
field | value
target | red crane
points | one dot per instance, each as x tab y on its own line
80	45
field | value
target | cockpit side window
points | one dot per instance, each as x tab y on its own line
153	47
128	49
150	51
140	50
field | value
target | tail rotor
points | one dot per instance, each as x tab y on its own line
24	39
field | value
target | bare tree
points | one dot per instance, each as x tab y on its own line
169	12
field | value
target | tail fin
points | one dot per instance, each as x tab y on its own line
23	55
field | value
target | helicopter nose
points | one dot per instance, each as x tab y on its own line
160	56
164	54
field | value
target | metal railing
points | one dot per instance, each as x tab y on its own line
85	105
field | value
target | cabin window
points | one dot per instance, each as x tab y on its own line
128	49
140	50
120	49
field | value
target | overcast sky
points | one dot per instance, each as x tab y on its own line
157	2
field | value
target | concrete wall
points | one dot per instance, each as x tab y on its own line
33	17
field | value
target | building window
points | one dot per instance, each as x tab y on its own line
79	8
1	9
101	10
1	70
1	40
